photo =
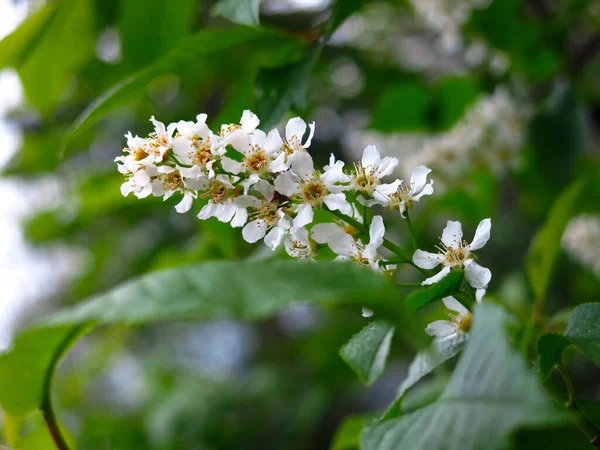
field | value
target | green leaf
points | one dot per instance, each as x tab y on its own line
423	364
549	349
443	288
401	108
590	409
558	135
583	331
452	97
545	249
366	353
491	394
347	436
242	290
268	48
170	22
40	439
244	12
48	48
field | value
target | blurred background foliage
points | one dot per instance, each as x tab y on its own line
501	98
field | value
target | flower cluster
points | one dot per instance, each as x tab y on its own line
268	185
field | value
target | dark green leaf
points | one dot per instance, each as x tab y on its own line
268	49
491	394
584	330
347	436
244	12
423	364
48	48
443	288
171	21
590	409
558	136
242	290
549	349
451	98
367	352
545	248
401	108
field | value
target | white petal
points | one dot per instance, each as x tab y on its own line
182	147
159	127
477	276
440	328
311	133
207	211
126	189
185	204
279	164
376	233
479	293
258	138
226	211
240	218
437	277
254	231
249	121
338	202
295	128
247	201
304	216
323	232
418	178
427	190
388	188
452	234
454	305
371	157
240	140
274	237
273	143
343	244
427	260
302	164
387	166
482	234
285	184
335	174
231	165
266	189
366	312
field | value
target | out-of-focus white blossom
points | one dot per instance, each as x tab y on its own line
458	323
581	241
398	196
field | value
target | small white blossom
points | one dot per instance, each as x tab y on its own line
177	179
456	254
138	178
581	241
398	196
313	188
366	312
347	247
298	245
221	204
194	145
370	170
267	220
458	323
159	143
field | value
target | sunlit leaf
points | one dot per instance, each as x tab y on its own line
242	290
366	353
443	288
491	394
347	436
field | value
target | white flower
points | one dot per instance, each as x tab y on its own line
366	312
194	144
370	170
234	134
294	131
298	245
347	247
221	204
159	143
458	323
455	253
138	178
177	179
398	196
259	153
313	188
267	219
581	241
